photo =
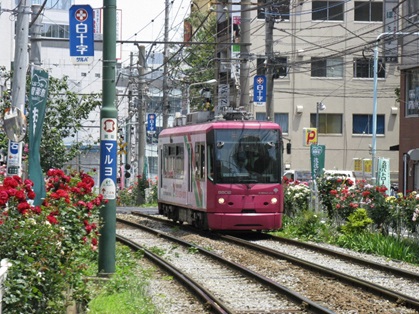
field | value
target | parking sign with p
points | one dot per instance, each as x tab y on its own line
310	136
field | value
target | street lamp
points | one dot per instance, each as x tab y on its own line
320	107
209	82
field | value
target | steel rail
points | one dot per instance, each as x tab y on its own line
354	259
205	296
391	295
304	302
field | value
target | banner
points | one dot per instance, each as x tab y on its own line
383	173
37	102
317	156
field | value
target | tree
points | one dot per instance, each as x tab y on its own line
196	64
65	111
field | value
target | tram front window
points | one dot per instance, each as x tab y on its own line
247	156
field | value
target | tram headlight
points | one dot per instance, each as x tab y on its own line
274	200
221	200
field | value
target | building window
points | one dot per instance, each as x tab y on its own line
280	118
280	10
412	93
413	11
53	4
321	67
55	31
279	65
327	10
364	68
367	11
329	123
362	124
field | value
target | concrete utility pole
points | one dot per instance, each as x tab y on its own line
35	31
166	109
14	161
269	25
245	55
141	125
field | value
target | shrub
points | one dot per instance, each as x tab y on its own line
129	195
357	222
44	243
329	187
305	225
296	198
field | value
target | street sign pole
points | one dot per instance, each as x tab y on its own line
108	143
14	159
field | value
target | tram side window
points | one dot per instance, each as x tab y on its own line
210	153
200	161
173	161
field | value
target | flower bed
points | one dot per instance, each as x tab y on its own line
47	241
340	198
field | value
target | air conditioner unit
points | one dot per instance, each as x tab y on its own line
299	110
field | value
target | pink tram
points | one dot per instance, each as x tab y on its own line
222	175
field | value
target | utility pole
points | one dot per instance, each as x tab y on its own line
14	161
141	125
269	25
35	30
166	109
108	142
245	55
128	120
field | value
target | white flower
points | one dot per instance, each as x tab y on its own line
5	263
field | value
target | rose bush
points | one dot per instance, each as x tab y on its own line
44	244
296	197
129	195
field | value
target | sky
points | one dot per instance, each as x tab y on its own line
143	20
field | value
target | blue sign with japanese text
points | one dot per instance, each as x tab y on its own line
259	90
151	123
81	34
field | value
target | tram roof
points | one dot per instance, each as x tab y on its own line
217	125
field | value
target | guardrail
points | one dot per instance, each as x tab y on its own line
4	265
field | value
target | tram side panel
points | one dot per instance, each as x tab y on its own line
182	173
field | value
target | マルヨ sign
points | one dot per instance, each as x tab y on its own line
81	34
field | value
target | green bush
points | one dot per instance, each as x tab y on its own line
307	225
357	222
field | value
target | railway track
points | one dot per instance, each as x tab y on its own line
225	286
333	290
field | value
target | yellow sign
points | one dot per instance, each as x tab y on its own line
310	136
358	164
367	165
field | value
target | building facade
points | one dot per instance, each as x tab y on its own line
409	98
323	75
